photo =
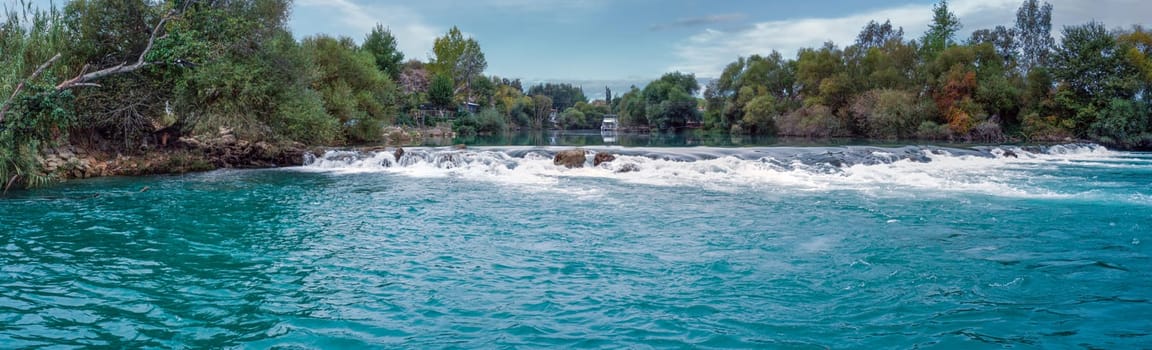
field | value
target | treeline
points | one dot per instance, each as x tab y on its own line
1003	83
116	74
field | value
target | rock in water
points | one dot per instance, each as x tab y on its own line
602	158
399	153
1008	153
570	159
627	168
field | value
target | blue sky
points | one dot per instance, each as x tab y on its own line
624	42
636	40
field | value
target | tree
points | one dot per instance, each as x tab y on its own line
572	118
1034	27
1092	71
440	92
541	110
563	95
876	35
941	32
670	101
361	97
1002	39
382	45
459	59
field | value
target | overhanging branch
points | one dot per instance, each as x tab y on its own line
85	79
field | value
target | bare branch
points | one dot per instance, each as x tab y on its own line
84	79
20	87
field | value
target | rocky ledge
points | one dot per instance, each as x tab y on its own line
187	154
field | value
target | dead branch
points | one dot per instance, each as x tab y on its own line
84	79
20	87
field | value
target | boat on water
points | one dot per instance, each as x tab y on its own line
610	123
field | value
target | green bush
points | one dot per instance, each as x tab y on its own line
930	130
1123	123
303	118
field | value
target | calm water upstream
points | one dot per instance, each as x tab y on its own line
755	247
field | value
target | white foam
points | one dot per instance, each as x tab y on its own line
994	172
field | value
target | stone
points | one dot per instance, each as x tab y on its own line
228	140
570	159
628	168
602	158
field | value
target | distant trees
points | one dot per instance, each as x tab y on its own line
1000	83
563	95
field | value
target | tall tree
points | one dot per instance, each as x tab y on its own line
941	32
1002	39
440	91
1092	72
1034	26
878	34
458	58
382	45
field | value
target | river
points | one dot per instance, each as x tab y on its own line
762	246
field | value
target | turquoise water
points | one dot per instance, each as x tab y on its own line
771	247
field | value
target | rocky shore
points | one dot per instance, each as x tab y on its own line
186	154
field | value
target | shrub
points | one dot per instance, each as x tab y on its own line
885	113
1123	123
812	121
929	130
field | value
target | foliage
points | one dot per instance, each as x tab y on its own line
460	59
440	91
1123	122
354	91
40	116
563	95
488	122
1092	71
670	102
941	31
381	44
811	121
1034	27
572	118
888	114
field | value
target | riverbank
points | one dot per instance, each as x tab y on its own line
225	150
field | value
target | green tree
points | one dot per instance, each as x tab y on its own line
572	118
460	59
361	97
563	95
878	35
1034	27
941	32
1092	71
1002	39
440	92
381	44
670	101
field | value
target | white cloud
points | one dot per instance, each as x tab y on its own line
535	5
413	36
706	53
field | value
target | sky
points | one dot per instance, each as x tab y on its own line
622	42
625	40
